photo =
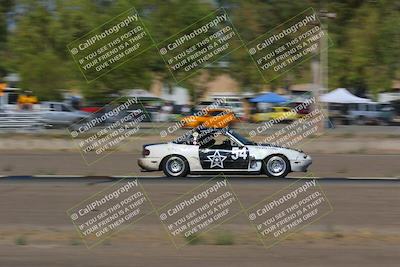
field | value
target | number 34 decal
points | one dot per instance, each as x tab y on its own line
238	153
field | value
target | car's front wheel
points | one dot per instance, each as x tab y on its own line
175	166
277	166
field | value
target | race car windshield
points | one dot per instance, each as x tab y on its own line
242	139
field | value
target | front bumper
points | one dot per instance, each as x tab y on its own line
149	164
301	165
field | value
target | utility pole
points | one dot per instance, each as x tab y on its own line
319	68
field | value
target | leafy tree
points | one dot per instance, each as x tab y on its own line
365	34
5	7
34	53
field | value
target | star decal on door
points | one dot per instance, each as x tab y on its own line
216	160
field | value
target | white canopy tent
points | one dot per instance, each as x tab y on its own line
342	96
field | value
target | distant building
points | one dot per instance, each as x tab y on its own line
177	94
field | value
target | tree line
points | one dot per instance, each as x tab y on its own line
365	55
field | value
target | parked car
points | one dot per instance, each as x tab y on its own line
301	111
236	107
275	113
364	113
60	114
232	103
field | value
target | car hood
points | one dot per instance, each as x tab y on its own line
276	146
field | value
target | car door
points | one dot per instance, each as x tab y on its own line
224	156
56	113
267	114
68	115
52	114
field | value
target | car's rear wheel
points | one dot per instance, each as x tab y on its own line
360	120
277	166
383	122
175	166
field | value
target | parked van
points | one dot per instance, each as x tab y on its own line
364	113
234	103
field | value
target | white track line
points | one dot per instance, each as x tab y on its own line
197	176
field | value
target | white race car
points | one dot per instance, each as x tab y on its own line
221	150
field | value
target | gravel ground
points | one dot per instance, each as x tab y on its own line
362	230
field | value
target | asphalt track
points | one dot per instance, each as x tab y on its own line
123	163
195	179
362	230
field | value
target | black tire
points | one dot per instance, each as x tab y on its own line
383	122
74	126
276	166
360	120
175	166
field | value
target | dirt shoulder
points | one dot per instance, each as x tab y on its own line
326	144
360	231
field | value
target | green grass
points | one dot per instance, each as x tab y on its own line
224	238
8	168
194	239
75	242
21	241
